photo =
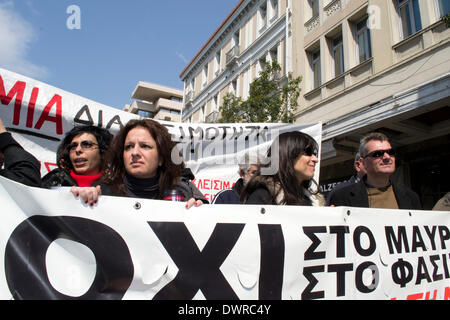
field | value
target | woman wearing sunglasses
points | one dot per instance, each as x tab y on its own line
292	158
79	158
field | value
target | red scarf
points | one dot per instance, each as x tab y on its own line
84	180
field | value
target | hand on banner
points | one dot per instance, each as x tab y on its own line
192	202
88	195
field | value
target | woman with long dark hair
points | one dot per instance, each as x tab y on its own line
293	158
142	161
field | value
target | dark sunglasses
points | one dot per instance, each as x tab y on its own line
380	153
309	151
86	144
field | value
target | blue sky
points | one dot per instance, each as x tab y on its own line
120	42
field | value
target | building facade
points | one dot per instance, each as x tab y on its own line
157	102
253	33
366	65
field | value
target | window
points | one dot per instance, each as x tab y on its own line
260	66
338	56
273	9
217	63
409	14
363	41
273	54
236	38
248	33
205	75
233	87
202	114
214	103
315	68
246	84
443	7
262	17
314	7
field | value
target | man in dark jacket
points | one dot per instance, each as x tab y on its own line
248	168
360	173
376	189
20	165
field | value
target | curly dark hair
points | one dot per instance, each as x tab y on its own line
168	171
103	136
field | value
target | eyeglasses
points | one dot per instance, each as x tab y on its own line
309	151
85	145
380	153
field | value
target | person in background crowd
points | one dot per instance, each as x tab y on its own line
291	184
248	167
376	189
443	204
360	172
19	165
139	164
79	158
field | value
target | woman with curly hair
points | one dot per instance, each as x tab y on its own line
80	158
143	162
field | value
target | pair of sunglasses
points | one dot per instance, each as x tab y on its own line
86	144
309	151
380	153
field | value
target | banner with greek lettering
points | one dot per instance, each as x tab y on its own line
54	247
39	115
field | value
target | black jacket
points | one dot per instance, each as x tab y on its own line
59	178
353	179
20	165
187	188
230	196
355	195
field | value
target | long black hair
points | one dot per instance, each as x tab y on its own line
290	146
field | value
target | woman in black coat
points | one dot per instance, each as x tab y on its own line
139	163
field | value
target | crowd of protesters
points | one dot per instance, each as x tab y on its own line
138	162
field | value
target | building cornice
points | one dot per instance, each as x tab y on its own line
226	27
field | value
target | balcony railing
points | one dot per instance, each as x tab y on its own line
212	117
232	56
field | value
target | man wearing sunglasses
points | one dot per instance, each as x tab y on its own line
20	165
79	158
376	189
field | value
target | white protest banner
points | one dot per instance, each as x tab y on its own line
54	247
39	115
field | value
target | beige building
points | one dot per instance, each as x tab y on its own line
156	102
254	32
366	65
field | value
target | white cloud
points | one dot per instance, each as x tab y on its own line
16	37
182	58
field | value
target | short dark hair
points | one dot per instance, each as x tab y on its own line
102	135
378	136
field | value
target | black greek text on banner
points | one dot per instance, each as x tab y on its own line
55	247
